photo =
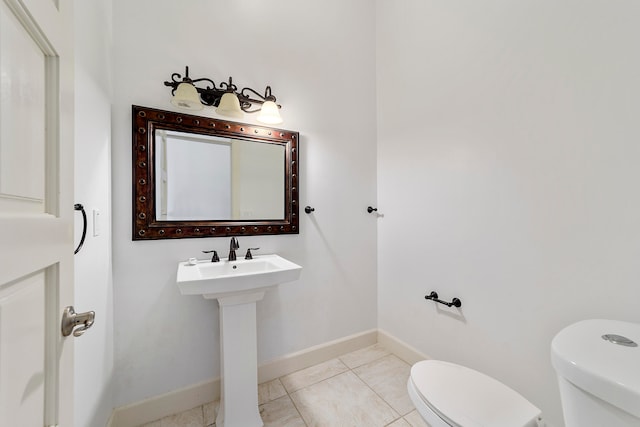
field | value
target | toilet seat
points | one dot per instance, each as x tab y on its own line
462	397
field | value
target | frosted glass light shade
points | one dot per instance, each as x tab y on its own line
230	106
187	97
269	114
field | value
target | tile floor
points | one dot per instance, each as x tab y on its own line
366	388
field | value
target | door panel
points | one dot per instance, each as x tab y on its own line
22	139
36	211
22	323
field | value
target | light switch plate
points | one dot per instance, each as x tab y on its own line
96	222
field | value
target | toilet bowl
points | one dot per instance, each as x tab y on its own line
598	367
449	395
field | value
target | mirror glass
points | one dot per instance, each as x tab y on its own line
202	177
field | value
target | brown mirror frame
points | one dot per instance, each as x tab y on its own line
145	225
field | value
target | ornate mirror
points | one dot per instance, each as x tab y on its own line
202	177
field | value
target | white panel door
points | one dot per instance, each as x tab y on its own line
36	211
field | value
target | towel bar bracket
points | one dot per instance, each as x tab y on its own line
433	296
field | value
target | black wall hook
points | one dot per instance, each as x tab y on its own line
370	209
433	296
308	209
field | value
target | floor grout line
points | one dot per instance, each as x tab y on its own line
297	410
380	396
317	382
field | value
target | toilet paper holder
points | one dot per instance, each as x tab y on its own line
433	296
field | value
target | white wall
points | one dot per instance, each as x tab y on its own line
508	173
315	55
93	281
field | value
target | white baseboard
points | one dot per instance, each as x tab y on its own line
170	403
401	349
313	355
189	397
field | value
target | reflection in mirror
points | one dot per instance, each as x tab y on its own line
203	177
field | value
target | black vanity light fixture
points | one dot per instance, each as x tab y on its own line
225	97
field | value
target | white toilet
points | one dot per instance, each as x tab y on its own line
598	368
450	395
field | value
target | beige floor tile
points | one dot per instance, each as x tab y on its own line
415	420
281	413
191	418
343	400
152	424
399	423
364	356
388	378
312	375
270	390
210	411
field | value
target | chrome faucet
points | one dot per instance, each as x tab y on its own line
232	248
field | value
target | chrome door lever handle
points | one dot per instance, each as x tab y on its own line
71	319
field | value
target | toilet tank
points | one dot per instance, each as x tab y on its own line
598	366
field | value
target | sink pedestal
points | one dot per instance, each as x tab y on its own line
239	361
237	285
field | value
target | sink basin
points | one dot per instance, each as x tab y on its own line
226	278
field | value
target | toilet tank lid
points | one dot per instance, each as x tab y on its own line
607	370
466	397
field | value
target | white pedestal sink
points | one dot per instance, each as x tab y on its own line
237	285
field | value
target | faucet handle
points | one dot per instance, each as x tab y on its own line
249	255
215	257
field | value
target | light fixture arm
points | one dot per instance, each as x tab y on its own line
176	79
250	100
260	100
229	87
